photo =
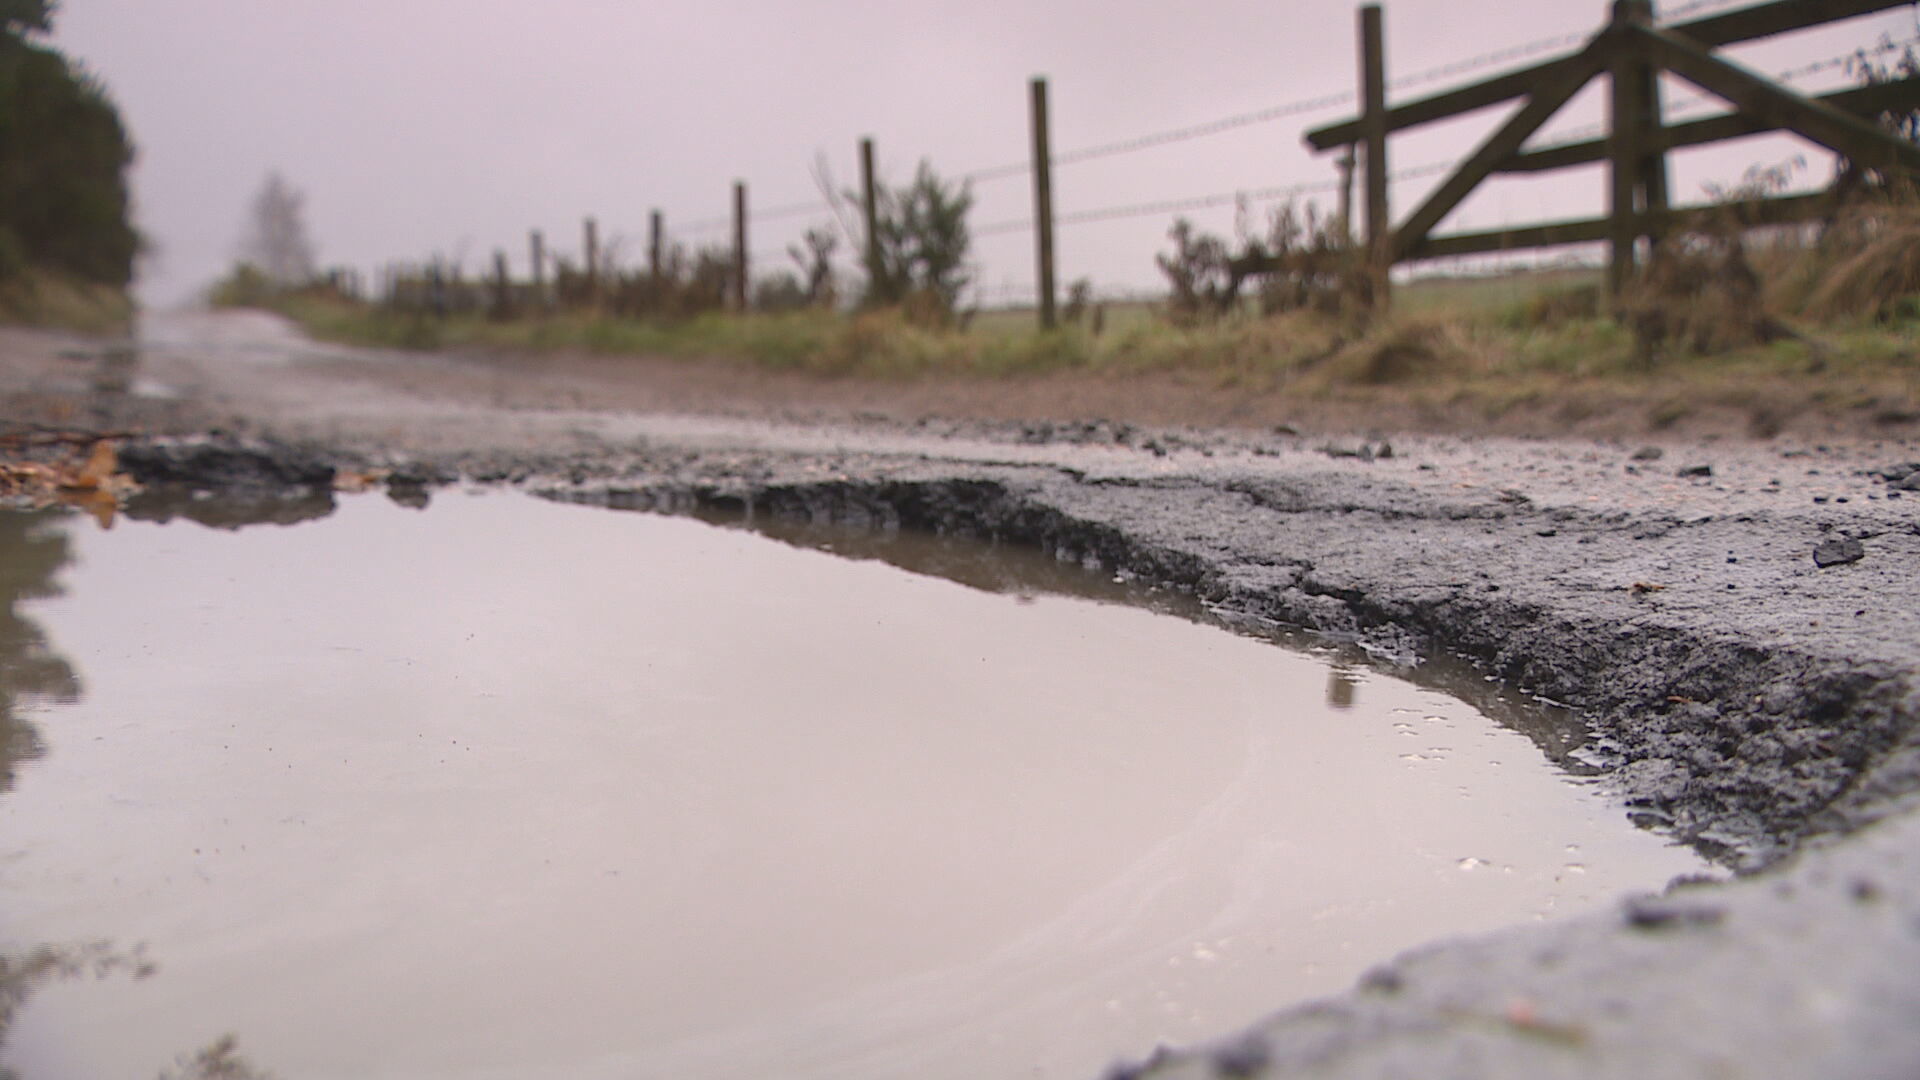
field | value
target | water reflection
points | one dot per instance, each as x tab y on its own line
23	973
163	504
1341	686
1007	569
1025	571
875	825
32	551
34	547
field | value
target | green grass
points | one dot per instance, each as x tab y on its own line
1493	292
1443	331
55	302
1528	342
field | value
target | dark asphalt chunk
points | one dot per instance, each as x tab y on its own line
1838	552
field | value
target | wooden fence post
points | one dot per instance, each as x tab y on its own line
740	244
1373	127
593	260
502	286
655	229
537	258
1043	200
870	207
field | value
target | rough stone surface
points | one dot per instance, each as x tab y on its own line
226	464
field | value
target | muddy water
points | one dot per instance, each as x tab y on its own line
512	789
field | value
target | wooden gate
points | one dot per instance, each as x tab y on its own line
1631	51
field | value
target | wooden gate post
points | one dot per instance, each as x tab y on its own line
1653	160
1373	127
1626	141
1345	164
1043	200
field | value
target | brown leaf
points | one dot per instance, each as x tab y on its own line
353	483
101	463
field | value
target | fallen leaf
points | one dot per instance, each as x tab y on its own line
101	464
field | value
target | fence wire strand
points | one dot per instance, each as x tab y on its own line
1282	111
771	213
1673	14
1201	202
1163	138
1500	56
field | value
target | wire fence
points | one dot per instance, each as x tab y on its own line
1288	110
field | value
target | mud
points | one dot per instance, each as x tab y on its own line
1740	694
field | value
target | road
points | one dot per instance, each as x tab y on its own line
1747	698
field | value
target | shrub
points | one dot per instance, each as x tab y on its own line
1869	260
1312	264
780	291
922	240
1200	279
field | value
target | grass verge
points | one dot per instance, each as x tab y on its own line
51	301
1457	347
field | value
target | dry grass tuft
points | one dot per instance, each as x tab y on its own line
1699	293
1555	307
1408	349
1869	262
57	302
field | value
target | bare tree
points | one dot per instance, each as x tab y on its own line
276	242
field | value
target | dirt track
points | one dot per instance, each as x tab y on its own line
1750	700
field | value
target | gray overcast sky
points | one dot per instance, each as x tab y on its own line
418	127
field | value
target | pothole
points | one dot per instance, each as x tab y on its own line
508	788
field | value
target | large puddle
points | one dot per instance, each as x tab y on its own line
507	788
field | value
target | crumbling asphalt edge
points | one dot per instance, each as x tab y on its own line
1778	750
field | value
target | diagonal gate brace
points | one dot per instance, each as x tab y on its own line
1843	133
1544	101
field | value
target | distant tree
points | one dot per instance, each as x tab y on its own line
21	17
63	161
276	241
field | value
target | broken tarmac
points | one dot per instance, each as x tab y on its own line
1747	695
